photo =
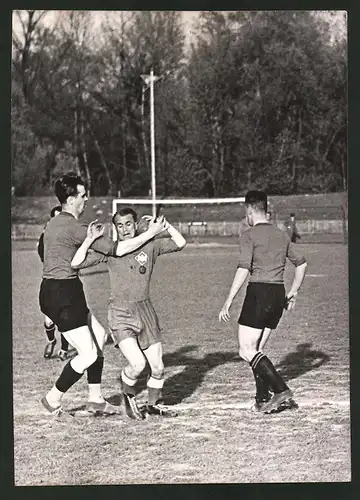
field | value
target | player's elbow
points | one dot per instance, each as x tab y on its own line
182	244
75	264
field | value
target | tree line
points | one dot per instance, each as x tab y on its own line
256	100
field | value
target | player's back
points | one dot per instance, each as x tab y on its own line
60	244
269	247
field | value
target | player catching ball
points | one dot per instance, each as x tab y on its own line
132	317
264	249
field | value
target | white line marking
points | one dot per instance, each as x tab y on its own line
247	405
316	275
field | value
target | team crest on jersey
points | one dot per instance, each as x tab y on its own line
142	258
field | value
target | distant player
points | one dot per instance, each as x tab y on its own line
132	317
48	324
263	252
62	297
291	229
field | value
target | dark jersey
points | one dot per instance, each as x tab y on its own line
264	249
130	274
62	237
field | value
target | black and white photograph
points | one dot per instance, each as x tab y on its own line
179	247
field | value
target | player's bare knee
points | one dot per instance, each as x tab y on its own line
158	370
90	357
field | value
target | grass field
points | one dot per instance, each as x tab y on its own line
215	438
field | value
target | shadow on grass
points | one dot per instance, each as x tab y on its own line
183	384
303	360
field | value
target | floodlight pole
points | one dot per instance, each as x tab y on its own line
152	137
149	80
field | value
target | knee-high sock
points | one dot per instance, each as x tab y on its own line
64	343
262	365
68	378
94	372
155	386
128	384
262	388
50	331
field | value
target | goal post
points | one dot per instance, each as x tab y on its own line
197	216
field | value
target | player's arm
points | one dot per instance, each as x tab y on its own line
246	247
300	264
175	235
239	279
127	246
94	231
299	276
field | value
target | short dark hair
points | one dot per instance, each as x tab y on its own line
292	214
257	200
123	212
66	186
58	208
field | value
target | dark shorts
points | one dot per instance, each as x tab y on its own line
63	301
136	320
263	305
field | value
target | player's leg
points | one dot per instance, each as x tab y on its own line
96	402
155	383
150	343
249	341
265	335
49	326
64	350
125	326
253	336
64	301
274	298
262	387
129	375
262	367
81	340
262	308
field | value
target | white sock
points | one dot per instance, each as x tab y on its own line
54	397
95	395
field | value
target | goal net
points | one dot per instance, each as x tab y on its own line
195	218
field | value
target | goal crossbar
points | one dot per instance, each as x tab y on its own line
176	201
172	201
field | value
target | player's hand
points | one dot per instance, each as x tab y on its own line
95	230
290	301
224	314
157	226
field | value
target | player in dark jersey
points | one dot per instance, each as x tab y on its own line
132	318
48	323
62	298
263	252
291	229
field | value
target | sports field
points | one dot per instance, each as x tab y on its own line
215	438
